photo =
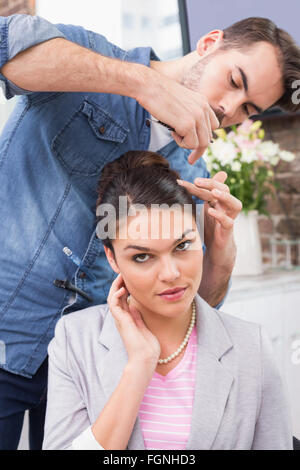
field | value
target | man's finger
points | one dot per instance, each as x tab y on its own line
196	154
189	141
215	124
177	138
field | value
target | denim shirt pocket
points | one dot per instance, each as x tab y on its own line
88	140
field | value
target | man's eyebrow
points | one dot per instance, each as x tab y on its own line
144	248
245	83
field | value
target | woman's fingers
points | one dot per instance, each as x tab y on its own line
231	204
210	184
137	317
201	193
119	306
225	221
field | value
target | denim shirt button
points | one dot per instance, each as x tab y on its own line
82	275
102	129
148	122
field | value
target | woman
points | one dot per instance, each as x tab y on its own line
157	367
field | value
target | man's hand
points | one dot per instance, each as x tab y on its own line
220	210
58	64
186	111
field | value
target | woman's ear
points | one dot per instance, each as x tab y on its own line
111	259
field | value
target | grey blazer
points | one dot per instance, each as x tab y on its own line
240	401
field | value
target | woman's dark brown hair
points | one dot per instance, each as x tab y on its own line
144	178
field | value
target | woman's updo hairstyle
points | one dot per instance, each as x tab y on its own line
144	178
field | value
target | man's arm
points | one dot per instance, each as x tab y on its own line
216	280
18	33
64	65
45	60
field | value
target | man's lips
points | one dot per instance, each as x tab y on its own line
172	291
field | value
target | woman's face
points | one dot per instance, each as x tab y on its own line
160	259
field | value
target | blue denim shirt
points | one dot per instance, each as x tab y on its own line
52	151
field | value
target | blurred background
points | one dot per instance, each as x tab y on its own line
269	295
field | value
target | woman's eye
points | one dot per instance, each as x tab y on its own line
141	258
184	245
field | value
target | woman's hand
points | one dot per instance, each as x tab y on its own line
220	211
141	345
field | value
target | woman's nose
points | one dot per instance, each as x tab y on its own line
168	271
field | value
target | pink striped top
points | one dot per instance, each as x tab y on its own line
166	409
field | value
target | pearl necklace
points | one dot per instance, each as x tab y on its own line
186	338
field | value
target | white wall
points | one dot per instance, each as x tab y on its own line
95	15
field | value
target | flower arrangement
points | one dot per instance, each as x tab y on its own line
249	162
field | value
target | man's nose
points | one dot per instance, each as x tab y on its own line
231	106
168	271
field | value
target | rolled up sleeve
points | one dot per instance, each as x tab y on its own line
17	33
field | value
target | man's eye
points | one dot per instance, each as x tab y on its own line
233	83
141	258
245	109
184	245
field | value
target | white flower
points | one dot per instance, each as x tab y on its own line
274	160
249	155
236	166
223	151
269	150
286	156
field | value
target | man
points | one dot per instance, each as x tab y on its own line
85	102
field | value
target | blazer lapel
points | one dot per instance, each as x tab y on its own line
213	381
111	369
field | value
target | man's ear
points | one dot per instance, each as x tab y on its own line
111	259
210	42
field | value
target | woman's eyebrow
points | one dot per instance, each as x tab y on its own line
147	249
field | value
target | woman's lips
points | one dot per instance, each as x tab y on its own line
173	294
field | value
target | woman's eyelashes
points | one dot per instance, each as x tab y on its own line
184	245
143	257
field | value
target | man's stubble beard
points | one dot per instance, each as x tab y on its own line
192	78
